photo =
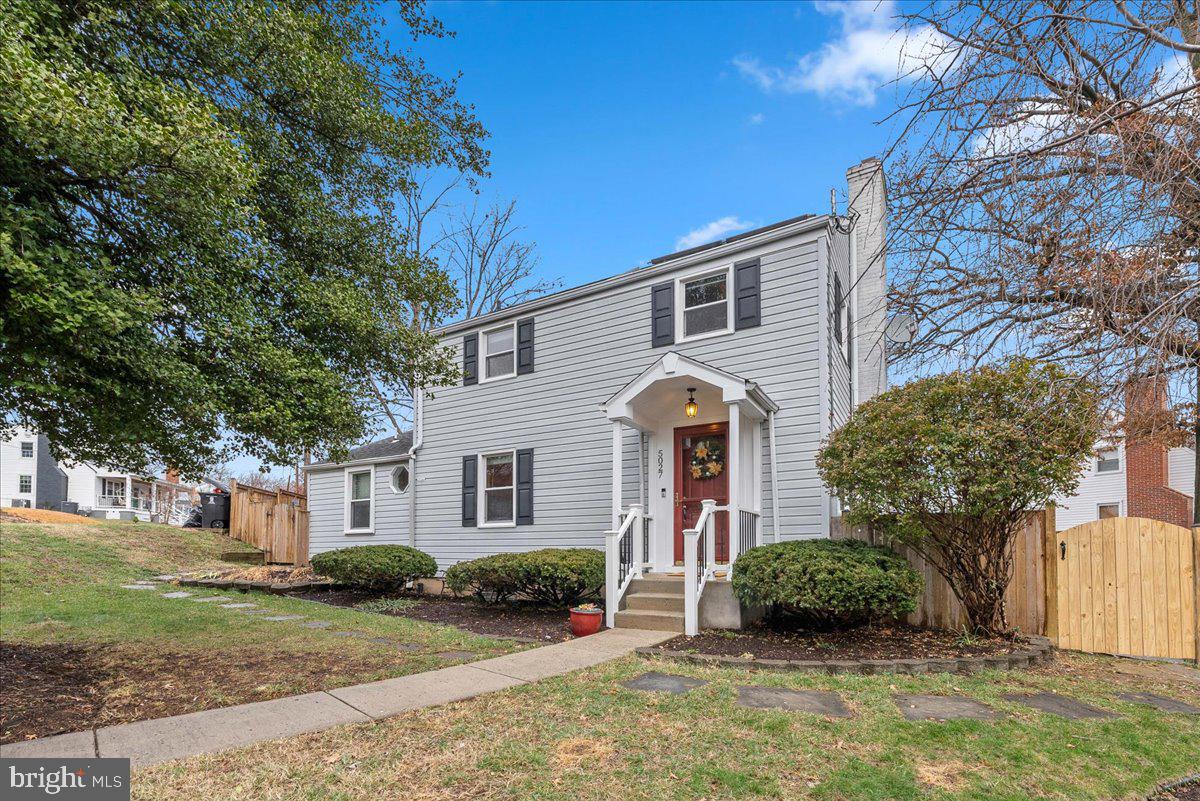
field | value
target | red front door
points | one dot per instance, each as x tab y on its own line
701	459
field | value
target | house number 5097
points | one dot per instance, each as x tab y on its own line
660	462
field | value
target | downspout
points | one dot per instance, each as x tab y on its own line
774	477
418	437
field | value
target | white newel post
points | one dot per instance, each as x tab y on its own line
128	492
612	567
616	473
637	510
710	532
691	610
733	452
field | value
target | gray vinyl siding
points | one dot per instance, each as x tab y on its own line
840	400
327	509
586	350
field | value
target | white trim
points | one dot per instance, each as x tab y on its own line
324	466
483	354
681	309
481	520
346	499
392	479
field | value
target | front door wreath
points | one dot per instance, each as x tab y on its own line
708	459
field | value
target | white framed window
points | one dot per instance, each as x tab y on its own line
499	352
1106	510
497	480
399	479
360	500
1108	461
24	483
704	305
26	450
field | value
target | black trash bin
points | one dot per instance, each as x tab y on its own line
214	510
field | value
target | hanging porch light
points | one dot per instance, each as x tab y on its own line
691	408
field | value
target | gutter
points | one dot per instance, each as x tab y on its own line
418	439
774	477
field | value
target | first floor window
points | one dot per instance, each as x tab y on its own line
20	503
1108	510
706	304
26	450
358	505
498	487
25	484
1108	461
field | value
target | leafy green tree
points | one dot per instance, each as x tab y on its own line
197	232
950	465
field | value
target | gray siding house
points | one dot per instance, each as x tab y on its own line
623	406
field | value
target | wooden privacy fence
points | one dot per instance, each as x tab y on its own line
1025	601
1128	586
275	521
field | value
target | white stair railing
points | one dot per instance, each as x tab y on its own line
623	559
699	558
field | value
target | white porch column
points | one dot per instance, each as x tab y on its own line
733	461
154	501
616	473
128	492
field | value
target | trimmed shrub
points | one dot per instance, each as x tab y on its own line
827	583
555	576
375	567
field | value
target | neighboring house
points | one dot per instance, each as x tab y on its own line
30	476
710	374
1138	478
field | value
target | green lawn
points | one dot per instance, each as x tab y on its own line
134	654
585	737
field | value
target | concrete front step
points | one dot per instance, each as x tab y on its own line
655	602
658	584
649	620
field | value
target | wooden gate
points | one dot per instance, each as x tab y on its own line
1127	585
275	521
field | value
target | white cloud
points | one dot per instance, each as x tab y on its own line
869	51
710	232
757	119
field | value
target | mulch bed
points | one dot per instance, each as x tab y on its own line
56	688
1186	792
517	621
868	642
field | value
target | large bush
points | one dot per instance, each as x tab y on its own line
556	576
951	466
375	567
826	583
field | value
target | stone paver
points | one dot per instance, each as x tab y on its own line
1160	702
345	634
815	702
179	594
455	656
211	599
139	586
654	682
238	606
254	612
165	577
944	707
1061	705
316	624
278	618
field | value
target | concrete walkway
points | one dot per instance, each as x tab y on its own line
149	742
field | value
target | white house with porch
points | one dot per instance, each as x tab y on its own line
670	415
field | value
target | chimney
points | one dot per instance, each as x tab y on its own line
172	475
1147	476
868	274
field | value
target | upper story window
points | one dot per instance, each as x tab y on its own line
1108	461
703	305
498	497
26	450
360	501
499	352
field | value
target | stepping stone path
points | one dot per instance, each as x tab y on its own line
654	682
455	656
1060	705
211	599
139	586
165	577
408	646
1160	702
177	595
317	624
254	612
816	702
944	707
284	617
238	606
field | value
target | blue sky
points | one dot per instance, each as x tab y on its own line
620	128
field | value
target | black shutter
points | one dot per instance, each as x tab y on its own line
469	492
747	301
525	346
470	359
525	487
662	315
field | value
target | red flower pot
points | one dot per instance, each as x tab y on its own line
586	621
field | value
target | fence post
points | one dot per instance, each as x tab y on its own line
1050	571
1196	587
233	494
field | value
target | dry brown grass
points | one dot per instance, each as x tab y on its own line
45	516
